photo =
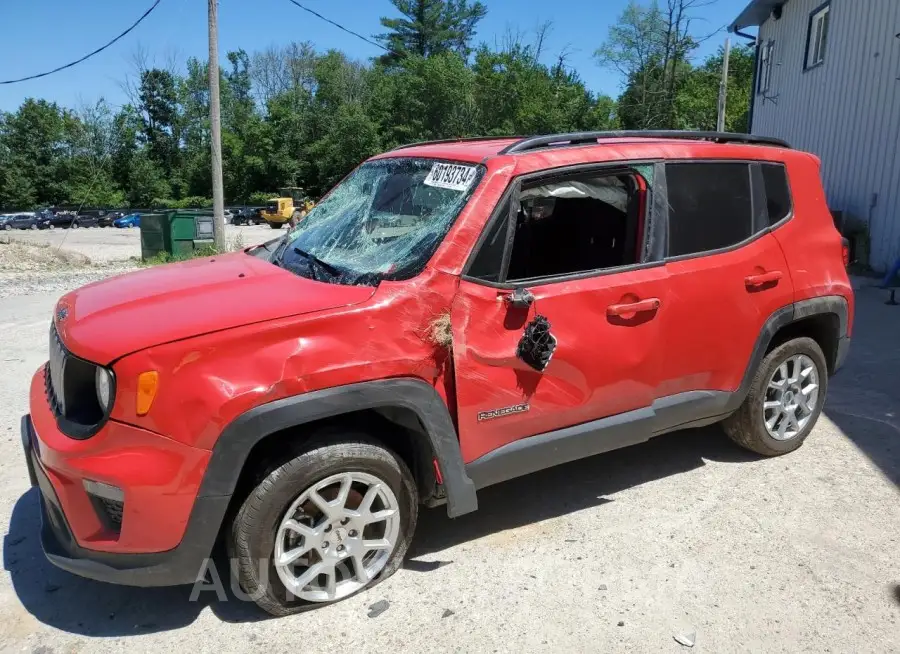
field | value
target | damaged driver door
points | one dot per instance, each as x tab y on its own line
538	347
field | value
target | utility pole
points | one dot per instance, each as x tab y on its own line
723	88
215	128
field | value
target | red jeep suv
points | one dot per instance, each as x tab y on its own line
451	315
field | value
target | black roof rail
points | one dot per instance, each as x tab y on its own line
584	138
464	139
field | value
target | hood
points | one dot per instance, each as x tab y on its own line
106	320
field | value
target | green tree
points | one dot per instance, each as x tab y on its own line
159	109
430	27
424	98
351	138
698	98
516	94
650	47
38	138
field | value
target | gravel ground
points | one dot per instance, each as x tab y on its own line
45	261
113	244
686	534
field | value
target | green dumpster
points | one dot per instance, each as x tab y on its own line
154	228
177	233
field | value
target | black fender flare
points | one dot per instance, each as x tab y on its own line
830	304
240	436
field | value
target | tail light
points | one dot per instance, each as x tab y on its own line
845	251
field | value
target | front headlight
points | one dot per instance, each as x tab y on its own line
103	383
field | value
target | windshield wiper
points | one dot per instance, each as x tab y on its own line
327	267
278	251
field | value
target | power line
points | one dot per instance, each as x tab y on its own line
341	27
87	56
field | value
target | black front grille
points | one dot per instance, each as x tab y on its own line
110	512
53	380
71	391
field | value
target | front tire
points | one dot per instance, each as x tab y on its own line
332	521
275	225
785	400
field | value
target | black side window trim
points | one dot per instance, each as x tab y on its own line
607	167
759	205
790	192
754	195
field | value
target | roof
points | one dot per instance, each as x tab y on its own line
478	149
473	151
754	14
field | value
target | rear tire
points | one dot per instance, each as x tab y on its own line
275	225
259	533
755	426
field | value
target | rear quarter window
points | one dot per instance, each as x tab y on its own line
778	192
710	206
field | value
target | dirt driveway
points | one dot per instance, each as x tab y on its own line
110	243
622	552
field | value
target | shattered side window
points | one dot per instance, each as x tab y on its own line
384	221
576	224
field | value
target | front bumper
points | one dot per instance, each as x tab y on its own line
181	565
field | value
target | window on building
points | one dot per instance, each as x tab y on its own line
817	38
778	193
710	206
766	57
576	224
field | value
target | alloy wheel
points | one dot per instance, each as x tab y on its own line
337	536
791	396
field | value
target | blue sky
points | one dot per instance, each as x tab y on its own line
44	34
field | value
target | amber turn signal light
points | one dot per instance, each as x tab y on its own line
146	391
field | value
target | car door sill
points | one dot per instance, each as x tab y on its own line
522	457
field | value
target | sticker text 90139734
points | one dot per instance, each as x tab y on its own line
451	176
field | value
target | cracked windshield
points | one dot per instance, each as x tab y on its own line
384	221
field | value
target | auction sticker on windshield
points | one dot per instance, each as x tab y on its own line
451	176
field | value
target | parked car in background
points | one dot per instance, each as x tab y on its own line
248	216
22	221
4	218
85	220
62	220
131	220
107	219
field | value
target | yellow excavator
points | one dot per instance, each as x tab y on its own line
291	204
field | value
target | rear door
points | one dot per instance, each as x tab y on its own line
726	273
562	266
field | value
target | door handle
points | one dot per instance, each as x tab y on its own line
755	281
650	304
